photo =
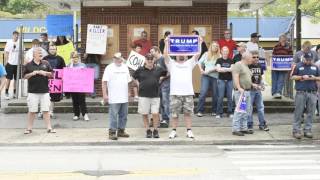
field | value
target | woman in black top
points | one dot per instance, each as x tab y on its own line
225	84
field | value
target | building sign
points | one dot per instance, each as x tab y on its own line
60	25
96	39
135	60
183	45
281	63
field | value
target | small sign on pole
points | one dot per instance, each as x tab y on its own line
135	60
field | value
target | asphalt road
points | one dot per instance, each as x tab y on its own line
225	162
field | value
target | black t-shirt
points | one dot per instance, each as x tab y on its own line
56	62
149	81
37	83
237	58
257	73
225	63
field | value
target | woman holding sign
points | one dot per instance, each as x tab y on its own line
78	99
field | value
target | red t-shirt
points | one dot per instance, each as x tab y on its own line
231	44
146	46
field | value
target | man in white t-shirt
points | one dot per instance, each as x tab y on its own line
12	58
181	89
29	54
252	45
115	81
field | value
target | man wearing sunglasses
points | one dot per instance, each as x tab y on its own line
256	95
148	78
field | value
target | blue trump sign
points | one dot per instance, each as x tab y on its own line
60	25
281	63
183	45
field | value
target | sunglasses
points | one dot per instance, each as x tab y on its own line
149	59
255	56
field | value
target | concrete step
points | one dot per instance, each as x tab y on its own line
132	109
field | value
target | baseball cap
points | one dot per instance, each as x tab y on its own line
118	55
254	35
307	56
242	44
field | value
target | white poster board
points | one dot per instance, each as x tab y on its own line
96	39
135	60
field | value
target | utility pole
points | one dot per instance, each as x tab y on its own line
298	25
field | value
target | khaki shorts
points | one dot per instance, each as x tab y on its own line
148	105
35	98
178	103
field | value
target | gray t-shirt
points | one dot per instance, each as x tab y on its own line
297	57
244	75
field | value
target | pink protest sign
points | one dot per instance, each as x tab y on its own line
55	86
78	80
57	73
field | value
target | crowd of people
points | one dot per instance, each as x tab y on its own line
163	85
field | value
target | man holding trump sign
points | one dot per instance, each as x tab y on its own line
181	87
242	86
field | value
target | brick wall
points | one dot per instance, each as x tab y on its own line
214	14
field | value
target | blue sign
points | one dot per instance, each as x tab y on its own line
281	63
60	25
183	45
242	104
263	64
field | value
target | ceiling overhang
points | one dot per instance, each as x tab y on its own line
233	5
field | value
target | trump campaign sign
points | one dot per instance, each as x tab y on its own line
184	45
281	63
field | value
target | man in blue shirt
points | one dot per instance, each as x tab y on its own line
305	75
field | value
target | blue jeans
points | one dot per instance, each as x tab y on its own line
118	116
239	121
208	82
165	100
96	73
224	86
302	100
256	98
278	81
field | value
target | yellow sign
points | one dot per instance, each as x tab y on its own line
65	52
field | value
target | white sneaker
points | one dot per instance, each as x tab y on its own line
190	134
86	117
218	117
199	114
230	115
173	134
75	118
6	97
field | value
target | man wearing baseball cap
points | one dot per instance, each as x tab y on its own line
115	91
305	75
252	45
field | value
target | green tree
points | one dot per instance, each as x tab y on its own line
21	6
312	8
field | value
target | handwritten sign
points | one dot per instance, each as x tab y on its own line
281	63
65	51
183	45
135	60
78	80
96	39
55	86
242	104
60	25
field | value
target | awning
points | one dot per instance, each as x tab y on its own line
233	5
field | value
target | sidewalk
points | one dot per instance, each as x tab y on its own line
207	130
